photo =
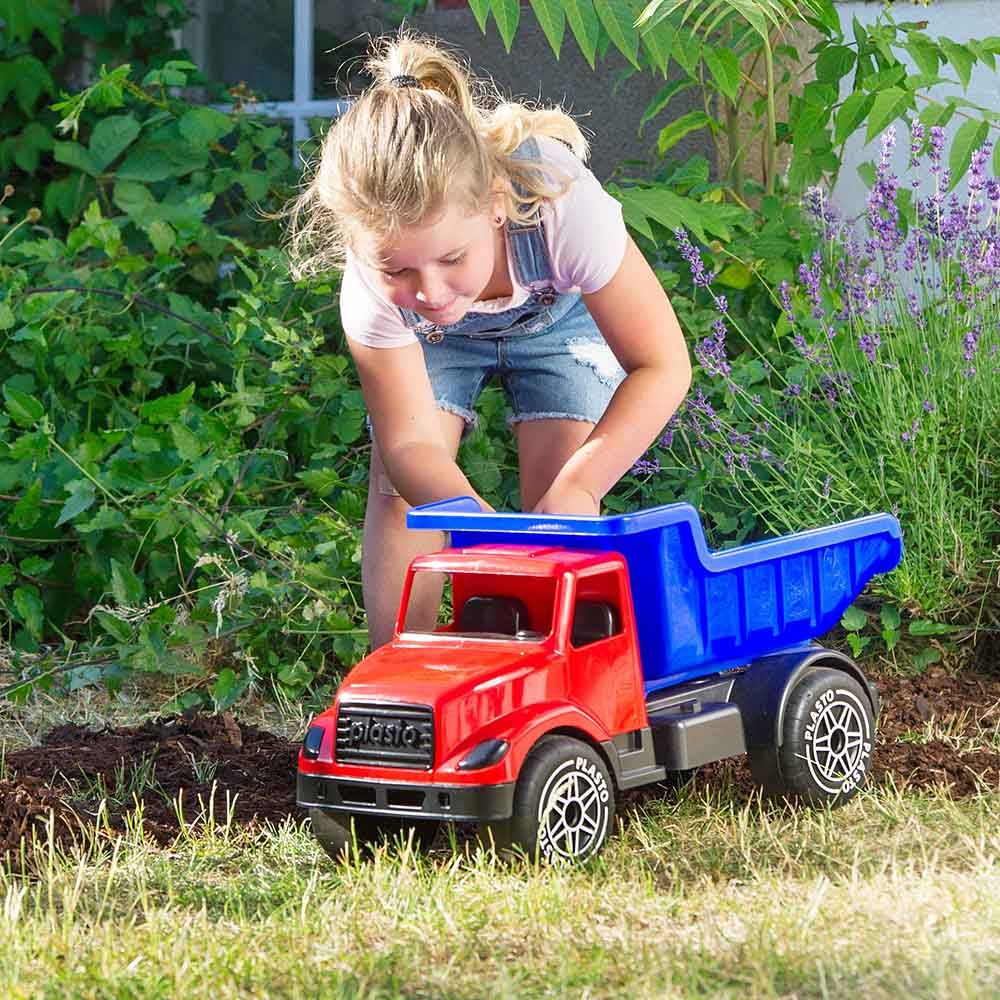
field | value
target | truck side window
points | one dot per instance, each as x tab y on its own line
500	615
594	620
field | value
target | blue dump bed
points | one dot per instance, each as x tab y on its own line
700	611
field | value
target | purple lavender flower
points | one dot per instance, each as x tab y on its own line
937	148
646	467
883	212
811	278
869	343
916	141
907	437
711	352
700	277
928	406
786	301
826	486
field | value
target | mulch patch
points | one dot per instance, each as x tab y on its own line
246	776
209	766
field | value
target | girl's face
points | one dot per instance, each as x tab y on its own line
437	269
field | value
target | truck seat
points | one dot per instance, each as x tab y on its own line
500	615
594	620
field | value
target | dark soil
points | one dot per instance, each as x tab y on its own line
246	776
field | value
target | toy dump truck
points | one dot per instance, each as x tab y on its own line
581	656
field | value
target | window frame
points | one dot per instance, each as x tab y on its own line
302	106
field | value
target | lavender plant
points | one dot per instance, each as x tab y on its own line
879	391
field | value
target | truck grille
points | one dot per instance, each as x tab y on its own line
385	735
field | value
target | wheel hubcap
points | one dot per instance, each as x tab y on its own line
839	744
573	817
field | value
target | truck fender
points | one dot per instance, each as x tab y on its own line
526	726
762	691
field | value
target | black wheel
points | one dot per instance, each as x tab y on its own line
337	833
827	737
564	803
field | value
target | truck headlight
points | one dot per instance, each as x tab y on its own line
312	742
483	755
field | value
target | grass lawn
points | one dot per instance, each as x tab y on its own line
702	893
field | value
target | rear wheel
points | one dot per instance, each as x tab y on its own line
338	833
827	738
564	803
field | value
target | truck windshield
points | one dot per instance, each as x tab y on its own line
482	606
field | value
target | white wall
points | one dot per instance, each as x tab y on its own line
958	20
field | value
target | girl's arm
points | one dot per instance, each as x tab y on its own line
635	316
407	426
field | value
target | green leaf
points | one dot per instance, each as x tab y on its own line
23	408
924	53
888	106
890	616
725	69
6	575
970	136
586	27
663	97
924	626
852	112
33	140
106	519
833	63
735	275
619	22
659	44
481	9
161	235
960	57
29	606
506	13
150	162
28	78
205	126
74	155
671	134
125	585
189	445
926	657
28	509
24	17
552	18
111	137
166	409
858	643
854	619
6	316
118	630
81	499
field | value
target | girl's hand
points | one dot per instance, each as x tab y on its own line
567	499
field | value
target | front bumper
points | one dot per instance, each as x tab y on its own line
464	803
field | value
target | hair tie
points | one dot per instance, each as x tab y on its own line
404	81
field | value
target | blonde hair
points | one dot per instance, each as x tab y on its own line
401	153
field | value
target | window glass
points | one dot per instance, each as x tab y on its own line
245	40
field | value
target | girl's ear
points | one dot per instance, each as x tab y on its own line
498	210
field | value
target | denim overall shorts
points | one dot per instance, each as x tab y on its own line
549	355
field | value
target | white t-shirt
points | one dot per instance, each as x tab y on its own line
584	231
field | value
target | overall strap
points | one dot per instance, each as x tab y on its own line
529	249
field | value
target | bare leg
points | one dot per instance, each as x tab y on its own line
543	448
388	546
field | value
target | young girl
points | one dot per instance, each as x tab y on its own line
476	243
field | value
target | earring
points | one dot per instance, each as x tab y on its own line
498	220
